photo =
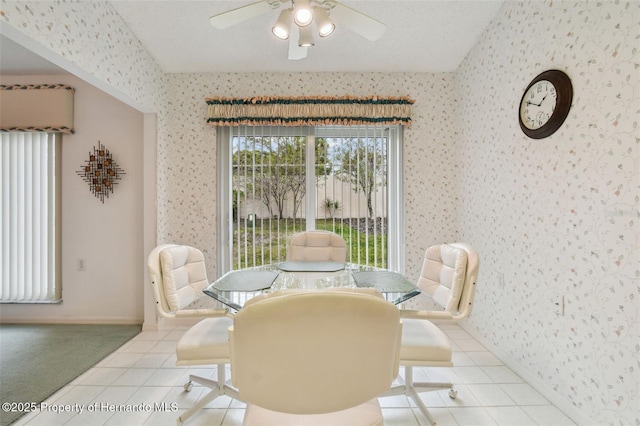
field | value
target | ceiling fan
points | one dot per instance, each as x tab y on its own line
295	23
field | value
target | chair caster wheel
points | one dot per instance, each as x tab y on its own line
453	394
188	386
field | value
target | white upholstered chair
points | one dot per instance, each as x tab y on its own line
314	358
317	246
178	276
448	276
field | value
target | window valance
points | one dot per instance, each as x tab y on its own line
309	111
36	108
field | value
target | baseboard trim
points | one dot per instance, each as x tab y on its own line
551	394
74	320
148	326
162	324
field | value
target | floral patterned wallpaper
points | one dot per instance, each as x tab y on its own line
558	216
550	218
186	161
93	37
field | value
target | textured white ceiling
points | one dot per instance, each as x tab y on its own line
421	36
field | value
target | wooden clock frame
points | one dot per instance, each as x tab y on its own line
564	97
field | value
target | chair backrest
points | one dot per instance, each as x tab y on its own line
178	276
449	274
317	246
314	352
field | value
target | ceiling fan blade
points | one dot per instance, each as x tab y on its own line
367	27
244	13
295	52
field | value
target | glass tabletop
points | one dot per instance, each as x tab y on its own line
235	288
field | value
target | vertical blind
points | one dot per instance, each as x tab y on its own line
354	194
28	218
268	176
283	180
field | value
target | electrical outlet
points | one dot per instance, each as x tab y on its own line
82	265
501	279
559	306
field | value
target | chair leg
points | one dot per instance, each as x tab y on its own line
411	389
218	388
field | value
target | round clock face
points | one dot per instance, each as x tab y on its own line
538	104
545	104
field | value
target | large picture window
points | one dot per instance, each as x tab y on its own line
277	181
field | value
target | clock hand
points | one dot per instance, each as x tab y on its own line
531	103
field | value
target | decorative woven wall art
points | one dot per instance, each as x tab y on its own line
101	172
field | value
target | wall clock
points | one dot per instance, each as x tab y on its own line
545	104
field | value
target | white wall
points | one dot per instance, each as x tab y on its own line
558	216
107	236
91	41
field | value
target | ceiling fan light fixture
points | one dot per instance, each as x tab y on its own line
323	22
306	37
302	13
281	28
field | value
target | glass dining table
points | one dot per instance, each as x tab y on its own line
236	287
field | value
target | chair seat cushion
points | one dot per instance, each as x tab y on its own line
423	343
207	342
368	414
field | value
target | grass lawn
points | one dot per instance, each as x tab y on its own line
267	241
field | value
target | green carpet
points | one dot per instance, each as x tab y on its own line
37	360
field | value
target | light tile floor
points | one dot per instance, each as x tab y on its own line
141	376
